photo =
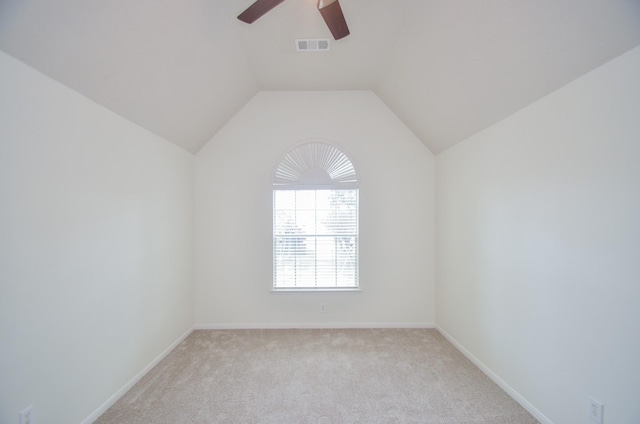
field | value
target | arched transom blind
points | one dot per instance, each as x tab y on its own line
315	163
315	220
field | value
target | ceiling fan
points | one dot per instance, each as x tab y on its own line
329	9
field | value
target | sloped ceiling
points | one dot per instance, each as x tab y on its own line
447	68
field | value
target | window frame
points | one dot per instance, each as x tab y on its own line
345	180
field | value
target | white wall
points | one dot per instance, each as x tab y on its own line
538	223
95	248
234	212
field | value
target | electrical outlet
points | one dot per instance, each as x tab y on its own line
26	415
323	308
596	411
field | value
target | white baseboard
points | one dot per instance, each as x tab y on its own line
312	325
113	399
495	378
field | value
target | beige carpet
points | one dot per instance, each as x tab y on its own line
361	376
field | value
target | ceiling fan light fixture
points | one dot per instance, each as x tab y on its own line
329	9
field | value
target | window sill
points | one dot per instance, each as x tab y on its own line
316	290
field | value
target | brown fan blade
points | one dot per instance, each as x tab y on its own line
332	14
257	9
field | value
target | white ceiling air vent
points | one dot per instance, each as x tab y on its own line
312	44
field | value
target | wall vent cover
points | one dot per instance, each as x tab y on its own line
312	44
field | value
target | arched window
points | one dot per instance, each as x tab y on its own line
315	220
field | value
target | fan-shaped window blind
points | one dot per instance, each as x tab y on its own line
315	220
315	164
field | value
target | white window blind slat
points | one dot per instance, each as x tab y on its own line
315	248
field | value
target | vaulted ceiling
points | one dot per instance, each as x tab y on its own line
447	68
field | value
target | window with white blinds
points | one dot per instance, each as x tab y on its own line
315	220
